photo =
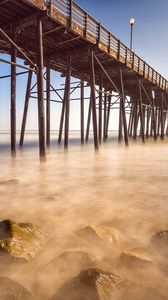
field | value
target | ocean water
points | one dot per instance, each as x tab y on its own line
126	188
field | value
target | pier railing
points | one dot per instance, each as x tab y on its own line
70	14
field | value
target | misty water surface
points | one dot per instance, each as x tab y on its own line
126	188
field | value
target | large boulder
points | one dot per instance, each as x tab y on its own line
21	240
92	284
11	290
105	234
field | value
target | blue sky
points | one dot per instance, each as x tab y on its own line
149	41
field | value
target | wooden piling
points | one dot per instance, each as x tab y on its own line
40	86
48	79
108	114
122	101
26	105
147	122
105	116
88	119
135	119
13	94
130	120
162	119
93	98
62	119
120	135
100	107
67	101
141	112
82	112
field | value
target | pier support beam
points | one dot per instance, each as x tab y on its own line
100	107
162	119
88	119
141	112
26	105
122	100
82	112
48	79
147	121
105	116
40	87
108	114
67	101
135	117
120	134
61	120
153	119
130	120
93	98
13	95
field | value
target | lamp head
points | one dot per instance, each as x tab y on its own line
132	21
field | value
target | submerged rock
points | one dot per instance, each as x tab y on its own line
139	292
21	240
159	242
102	234
136	259
75	259
92	284
9	182
11	290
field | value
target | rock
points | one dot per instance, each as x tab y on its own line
159	242
102	234
92	284
21	240
10	290
136	259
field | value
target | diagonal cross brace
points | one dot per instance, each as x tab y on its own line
17	47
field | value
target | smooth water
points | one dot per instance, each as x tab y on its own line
126	188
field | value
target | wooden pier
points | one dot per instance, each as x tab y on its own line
59	35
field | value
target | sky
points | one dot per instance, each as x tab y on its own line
150	42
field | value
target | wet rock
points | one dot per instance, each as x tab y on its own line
21	240
136	259
92	284
5	230
102	234
159	242
10	290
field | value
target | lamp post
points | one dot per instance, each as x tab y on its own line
132	21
